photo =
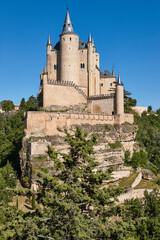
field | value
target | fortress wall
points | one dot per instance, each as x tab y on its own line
46	123
61	96
99	106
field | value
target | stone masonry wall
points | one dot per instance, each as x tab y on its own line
61	95
46	123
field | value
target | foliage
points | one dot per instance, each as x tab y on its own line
22	105
149	108
139	159
128	102
115	145
31	104
11	133
7	105
148	136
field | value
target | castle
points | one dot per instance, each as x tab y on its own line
74	92
72	77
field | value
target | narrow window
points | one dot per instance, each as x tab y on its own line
110	84
70	39
55	67
82	65
63	39
101	84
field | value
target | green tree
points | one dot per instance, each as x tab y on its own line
32	104
149	108
22	105
7	105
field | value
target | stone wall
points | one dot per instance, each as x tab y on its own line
46	123
61	95
102	105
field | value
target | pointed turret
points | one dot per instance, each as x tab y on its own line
49	41
93	41
113	72
89	38
68	26
119	80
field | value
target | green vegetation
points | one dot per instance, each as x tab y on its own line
115	145
7	105
139	159
71	203
30	105
127	181
148	137
11	133
128	102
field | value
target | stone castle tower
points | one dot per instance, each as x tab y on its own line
72	76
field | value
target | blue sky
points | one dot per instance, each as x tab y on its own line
126	33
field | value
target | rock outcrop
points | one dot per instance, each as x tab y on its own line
34	157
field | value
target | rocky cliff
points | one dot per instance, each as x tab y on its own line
113	141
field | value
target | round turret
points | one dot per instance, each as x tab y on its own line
69	58
119	97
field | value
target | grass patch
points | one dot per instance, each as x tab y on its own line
115	145
39	159
127	181
148	184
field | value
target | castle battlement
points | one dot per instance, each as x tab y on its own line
48	123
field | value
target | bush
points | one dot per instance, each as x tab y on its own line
115	145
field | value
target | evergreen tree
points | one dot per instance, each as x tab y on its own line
7	105
22	105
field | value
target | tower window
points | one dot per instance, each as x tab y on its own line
110	84
82	65
101	84
70	39
55	67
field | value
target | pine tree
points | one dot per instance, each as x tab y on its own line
22	105
72	199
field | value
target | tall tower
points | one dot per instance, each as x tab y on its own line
119	97
69	58
90	46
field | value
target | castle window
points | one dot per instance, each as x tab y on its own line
70	39
55	67
101	84
82	65
110	84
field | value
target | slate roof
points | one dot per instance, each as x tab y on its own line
68	26
106	74
56	47
82	44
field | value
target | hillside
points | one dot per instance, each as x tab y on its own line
73	201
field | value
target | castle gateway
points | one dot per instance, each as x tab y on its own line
72	77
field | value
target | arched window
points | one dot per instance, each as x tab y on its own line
82	65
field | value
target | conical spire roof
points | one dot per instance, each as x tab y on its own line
67	27
113	72
89	38
93	41
119	80
49	41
